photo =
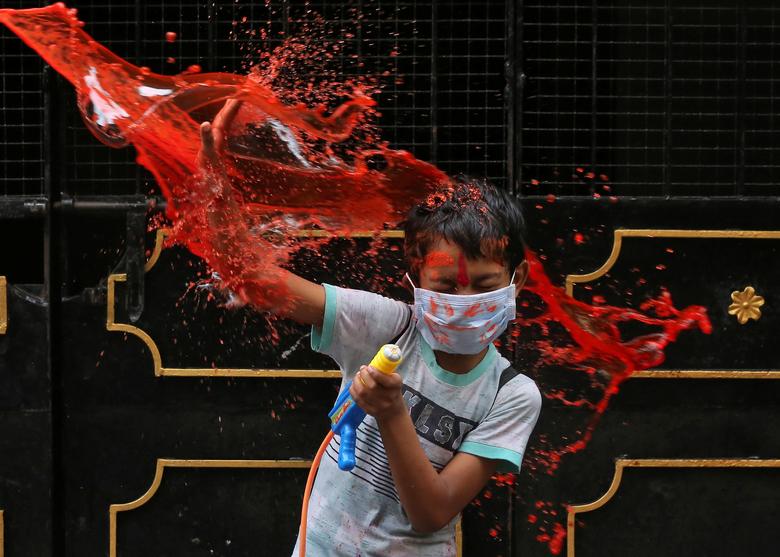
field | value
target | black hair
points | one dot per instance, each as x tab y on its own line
482	220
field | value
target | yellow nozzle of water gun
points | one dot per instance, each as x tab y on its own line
387	359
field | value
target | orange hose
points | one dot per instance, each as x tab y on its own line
307	493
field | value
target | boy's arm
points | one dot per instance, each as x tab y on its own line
430	498
274	289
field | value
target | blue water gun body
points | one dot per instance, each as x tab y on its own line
346	415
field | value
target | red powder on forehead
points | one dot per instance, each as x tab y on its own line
463	275
438	259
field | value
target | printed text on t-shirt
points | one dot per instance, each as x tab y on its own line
435	423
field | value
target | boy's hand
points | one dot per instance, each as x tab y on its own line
212	138
377	393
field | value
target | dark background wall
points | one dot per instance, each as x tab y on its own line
644	115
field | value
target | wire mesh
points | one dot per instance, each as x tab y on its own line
626	97
440	68
650	98
21	114
90	167
472	114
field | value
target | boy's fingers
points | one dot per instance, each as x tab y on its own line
387	380
207	140
366	378
225	117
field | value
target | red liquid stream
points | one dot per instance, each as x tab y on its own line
124	104
282	164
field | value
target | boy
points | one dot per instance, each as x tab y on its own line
452	415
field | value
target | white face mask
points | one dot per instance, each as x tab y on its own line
463	324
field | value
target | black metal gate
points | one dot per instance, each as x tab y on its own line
137	418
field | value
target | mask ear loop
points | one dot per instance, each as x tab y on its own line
512	280
410	280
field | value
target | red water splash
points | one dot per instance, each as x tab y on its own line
591	346
281	163
596	345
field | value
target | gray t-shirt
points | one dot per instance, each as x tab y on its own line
359	513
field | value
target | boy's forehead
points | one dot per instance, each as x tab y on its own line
444	253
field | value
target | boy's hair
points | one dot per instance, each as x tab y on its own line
481	219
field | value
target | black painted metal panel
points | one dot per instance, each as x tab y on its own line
26	473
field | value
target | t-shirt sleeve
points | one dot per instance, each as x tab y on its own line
356	325
503	434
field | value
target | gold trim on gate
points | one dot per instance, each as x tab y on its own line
160	370
621	464
617	245
163	463
621	233
2	534
3	315
458	538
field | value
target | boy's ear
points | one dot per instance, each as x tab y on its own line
521	275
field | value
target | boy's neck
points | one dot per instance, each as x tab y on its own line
458	363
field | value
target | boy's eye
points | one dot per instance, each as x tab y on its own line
488	287
444	288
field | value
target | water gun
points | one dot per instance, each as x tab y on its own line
346	415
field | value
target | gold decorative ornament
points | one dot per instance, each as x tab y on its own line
747	305
621	464
617	246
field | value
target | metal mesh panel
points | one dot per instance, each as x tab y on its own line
21	114
441	68
90	167
624	96
472	51
650	98
392	41
136	31
761	55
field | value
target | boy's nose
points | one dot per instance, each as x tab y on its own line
466	290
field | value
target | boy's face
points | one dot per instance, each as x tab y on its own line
446	269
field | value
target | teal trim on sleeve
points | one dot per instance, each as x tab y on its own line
457	379
509	461
321	337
